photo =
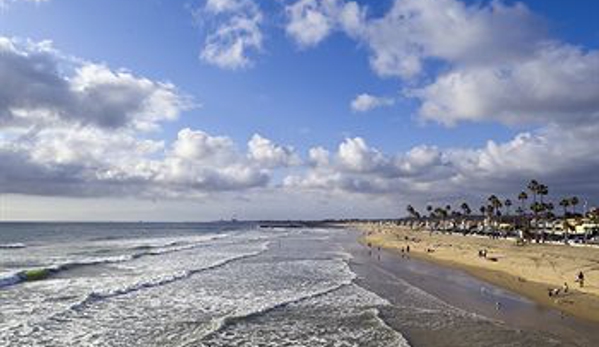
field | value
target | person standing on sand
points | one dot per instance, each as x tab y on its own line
580	279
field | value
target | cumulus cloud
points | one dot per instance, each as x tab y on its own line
264	151
500	63
355	155
76	128
558	83
35	91
311	21
366	102
416	30
237	32
318	156
198	145
202	162
87	161
565	160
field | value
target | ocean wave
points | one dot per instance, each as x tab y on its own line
9	279
221	323
12	246
156	282
399	339
36	274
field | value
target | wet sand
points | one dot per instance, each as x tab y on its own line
516	321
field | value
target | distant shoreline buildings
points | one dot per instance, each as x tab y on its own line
534	219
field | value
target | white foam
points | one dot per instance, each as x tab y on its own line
8	279
12	246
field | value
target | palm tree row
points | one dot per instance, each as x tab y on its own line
496	212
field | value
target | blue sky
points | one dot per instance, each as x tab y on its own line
296	91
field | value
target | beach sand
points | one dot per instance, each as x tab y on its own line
530	270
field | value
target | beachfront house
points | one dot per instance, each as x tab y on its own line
586	230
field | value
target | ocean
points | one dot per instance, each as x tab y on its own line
181	285
215	284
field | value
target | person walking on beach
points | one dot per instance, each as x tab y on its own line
580	279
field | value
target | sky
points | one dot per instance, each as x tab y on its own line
287	109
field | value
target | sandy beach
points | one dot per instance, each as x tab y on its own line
531	270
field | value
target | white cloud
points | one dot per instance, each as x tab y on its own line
416	30
311	21
355	155
500	63
198	145
264	151
75	128
237	33
87	161
220	6
558	83
37	91
319	156
565	160
366	102
308	24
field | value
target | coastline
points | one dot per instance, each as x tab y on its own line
530	271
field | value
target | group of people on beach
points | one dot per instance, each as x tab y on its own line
564	289
404	250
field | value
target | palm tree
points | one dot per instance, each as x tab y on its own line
431	214
413	213
574	201
441	213
496	203
533	186
543	191
483	212
522	197
465	208
549	207
495	206
565	203
508	204
410	209
522	209
537	208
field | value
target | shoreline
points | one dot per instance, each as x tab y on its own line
530	271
